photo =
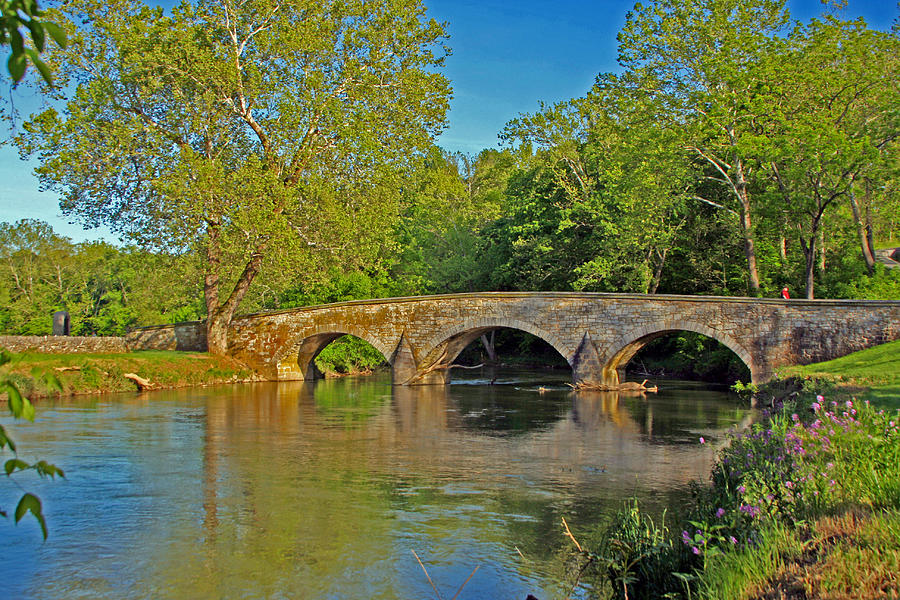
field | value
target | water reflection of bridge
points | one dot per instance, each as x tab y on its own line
413	429
324	475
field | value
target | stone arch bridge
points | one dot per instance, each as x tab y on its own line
596	333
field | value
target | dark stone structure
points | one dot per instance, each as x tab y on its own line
60	323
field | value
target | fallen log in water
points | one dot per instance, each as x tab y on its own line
627	386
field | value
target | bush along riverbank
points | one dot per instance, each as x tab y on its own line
120	372
806	504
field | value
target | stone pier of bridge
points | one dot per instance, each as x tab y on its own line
597	334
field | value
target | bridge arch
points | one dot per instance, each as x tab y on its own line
444	346
297	358
634	340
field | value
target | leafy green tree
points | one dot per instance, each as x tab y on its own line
16	15
37	267
105	289
699	59
612	183
255	134
453	198
836	127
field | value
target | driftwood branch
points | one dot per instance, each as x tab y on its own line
570	536
142	384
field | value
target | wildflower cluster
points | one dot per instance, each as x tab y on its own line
794	467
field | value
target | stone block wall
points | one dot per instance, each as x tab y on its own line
189	336
62	344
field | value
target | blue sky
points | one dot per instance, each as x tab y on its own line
507	57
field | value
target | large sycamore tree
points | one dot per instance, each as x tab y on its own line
833	128
699	60
262	132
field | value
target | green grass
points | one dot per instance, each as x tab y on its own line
737	575
872	374
102	373
874	367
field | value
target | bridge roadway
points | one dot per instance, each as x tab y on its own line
596	333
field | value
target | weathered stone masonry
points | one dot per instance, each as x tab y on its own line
62	344
596	333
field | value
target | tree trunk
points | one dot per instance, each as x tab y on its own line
657	272
747	228
861	232
489	346
217	333
809	253
821	251
219	314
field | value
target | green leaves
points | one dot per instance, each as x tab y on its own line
15	464
19	406
31	503
42	467
5	440
27	14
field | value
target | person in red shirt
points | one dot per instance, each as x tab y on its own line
785	294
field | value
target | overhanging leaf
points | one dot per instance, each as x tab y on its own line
57	33
15	464
44	468
5	440
19	406
39	64
37	34
31	503
16	65
49	379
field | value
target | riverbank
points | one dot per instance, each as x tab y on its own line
98	373
806	504
872	374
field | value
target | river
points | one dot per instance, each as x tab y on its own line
325	490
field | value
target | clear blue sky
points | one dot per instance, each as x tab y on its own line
508	55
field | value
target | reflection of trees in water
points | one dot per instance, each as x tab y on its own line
283	506
371	425
300	473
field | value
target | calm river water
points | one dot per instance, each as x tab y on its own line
324	490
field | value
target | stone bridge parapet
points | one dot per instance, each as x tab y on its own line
596	333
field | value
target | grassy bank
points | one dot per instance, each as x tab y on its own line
872	374
103	373
806	504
